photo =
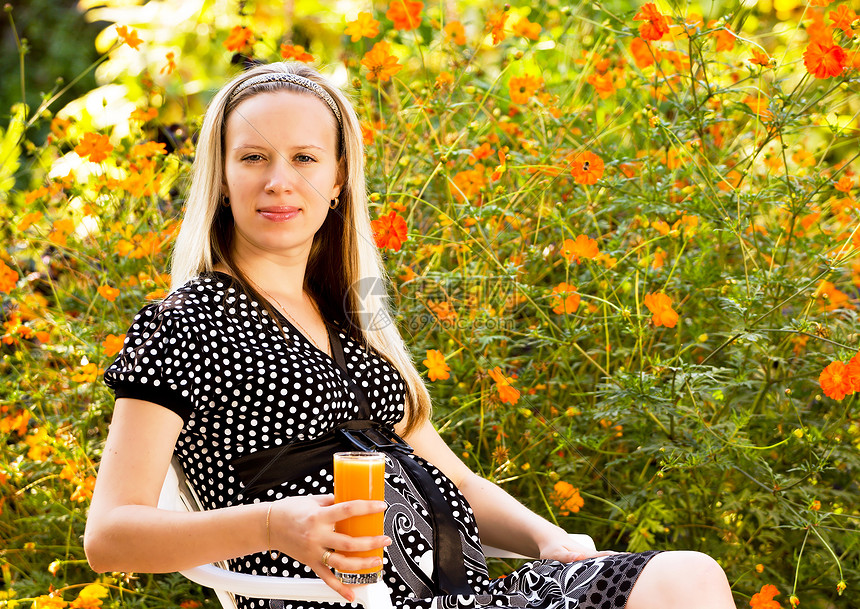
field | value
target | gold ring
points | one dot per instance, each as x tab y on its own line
325	558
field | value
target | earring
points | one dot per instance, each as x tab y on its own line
225	201
333	204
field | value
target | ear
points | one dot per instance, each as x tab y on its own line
335	191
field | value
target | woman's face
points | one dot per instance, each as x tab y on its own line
280	171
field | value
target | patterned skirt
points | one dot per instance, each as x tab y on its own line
597	583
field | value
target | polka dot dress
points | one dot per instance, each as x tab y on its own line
216	358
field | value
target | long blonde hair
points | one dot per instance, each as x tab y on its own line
344	265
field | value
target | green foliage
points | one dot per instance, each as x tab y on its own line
728	189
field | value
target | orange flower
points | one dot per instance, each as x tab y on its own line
661	309
59	127
523	87
380	62
527	29
171	63
842	18
852	368
112	344
566	498
367	133
500	168
504	384
833	297
480	153
436	366
295	52
108	292
496	26
406	14
142	115
60	230
587	168
764	598
760	58
844	184
582	247
835	381
643	53
84	490
147	150
455	32
130	38
239	38
469	183
88	373
95	146
564	299
823	59
444	80
389	231
725	38
654	26
8	278
156	294
603	84
364	26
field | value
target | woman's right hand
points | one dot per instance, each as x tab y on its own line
303	528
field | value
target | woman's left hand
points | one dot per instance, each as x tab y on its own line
567	550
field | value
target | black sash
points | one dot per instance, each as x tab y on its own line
271	467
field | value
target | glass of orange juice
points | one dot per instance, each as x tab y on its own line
360	475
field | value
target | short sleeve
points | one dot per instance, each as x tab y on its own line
153	362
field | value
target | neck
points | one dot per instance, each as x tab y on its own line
278	276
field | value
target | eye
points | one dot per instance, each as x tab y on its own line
252	158
305	159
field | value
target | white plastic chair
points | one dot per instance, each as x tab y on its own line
177	494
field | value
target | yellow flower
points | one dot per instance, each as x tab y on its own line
364	26
49	601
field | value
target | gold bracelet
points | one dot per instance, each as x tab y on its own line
273	555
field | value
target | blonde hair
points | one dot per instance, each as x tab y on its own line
343	257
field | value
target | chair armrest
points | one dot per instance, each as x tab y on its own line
580	539
286	588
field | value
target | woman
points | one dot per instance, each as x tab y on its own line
265	342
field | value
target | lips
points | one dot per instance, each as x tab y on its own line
279	214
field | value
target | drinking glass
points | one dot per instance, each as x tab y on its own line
360	475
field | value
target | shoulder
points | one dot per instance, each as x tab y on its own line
199	300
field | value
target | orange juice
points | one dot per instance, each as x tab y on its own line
359	475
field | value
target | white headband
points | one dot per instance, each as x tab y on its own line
294	79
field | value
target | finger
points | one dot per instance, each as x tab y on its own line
577	556
348	543
352	564
333	582
323	500
356	507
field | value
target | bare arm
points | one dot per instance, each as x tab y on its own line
127	532
503	521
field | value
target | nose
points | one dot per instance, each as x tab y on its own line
282	176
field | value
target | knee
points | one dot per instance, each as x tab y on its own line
680	578
697	573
